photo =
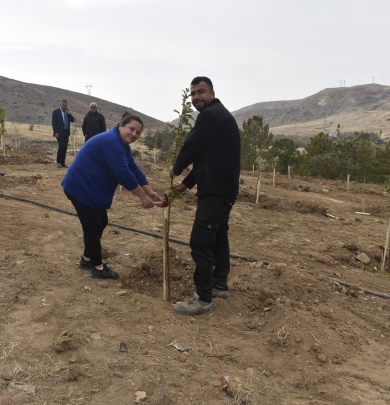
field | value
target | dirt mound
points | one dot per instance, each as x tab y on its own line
26	156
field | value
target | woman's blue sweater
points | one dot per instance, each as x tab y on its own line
101	164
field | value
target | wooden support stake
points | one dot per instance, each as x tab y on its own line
166	283
347	183
289	172
258	189
385	249
363	205
273	179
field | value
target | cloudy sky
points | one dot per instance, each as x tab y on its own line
142	53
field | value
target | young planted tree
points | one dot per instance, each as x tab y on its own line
260	165
181	130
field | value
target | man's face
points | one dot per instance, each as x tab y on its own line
93	108
64	106
201	95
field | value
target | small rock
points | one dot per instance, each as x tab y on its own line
121	293
251	259
321	358
150	328
362	257
7	374
63	344
140	396
117	374
74	373
316	347
73	360
46	215
123	347
232	389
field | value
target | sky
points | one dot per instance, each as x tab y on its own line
143	53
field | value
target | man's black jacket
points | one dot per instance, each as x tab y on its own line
213	146
93	124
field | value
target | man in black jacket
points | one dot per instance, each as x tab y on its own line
94	123
213	147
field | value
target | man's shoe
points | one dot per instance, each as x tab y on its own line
84	264
59	165
104	274
193	307
225	295
64	165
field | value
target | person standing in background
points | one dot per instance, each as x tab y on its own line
94	123
60	121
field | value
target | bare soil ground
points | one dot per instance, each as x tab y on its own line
290	335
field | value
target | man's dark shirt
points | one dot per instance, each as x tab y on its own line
213	146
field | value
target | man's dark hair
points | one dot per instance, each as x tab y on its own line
63	101
205	79
127	118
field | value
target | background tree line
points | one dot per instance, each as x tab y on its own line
355	154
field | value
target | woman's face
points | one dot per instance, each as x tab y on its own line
130	132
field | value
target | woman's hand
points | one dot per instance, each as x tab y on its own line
147	202
154	196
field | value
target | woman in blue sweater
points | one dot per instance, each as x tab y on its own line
103	163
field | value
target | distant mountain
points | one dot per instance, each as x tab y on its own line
357	108
33	104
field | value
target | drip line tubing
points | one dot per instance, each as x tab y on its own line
128	228
181	242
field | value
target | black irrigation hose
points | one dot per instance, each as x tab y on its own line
128	228
179	241
360	288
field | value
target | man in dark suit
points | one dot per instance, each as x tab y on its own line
61	119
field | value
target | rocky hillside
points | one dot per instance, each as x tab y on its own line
357	108
33	104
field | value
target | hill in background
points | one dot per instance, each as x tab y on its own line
358	108
33	104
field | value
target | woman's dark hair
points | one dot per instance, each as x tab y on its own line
127	118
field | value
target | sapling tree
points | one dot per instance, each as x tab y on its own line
260	165
180	130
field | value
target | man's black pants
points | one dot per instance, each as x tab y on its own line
210	244
63	141
93	221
